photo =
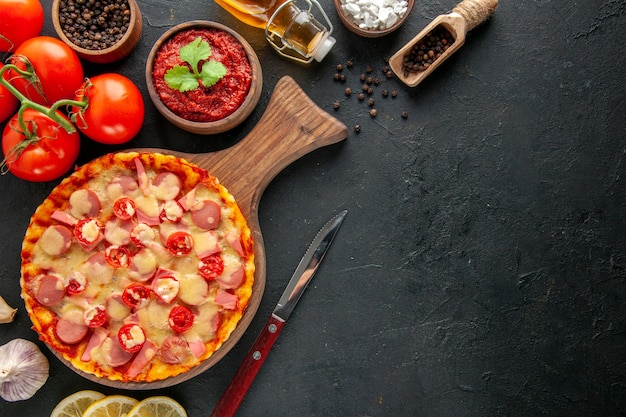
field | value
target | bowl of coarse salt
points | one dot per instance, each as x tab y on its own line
373	18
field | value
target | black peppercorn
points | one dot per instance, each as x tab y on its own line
348	91
370	102
405	114
357	128
336	104
94	25
373	112
425	51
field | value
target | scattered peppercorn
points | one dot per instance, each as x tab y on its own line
362	77
376	81
389	74
361	96
93	24
336	76
373	112
405	114
368	69
357	128
336	104
365	87
339	67
394	94
349	64
426	51
370	90
342	78
384	92
370	102
369	80
348	91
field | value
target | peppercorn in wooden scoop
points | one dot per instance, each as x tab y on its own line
437	41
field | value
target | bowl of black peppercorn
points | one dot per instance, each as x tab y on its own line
102	31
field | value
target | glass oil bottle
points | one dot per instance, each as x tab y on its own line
292	30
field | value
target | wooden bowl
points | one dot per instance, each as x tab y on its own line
370	33
113	53
221	125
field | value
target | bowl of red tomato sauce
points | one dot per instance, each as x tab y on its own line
203	77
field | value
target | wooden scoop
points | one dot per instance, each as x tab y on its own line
292	126
464	17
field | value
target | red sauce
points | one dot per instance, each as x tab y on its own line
205	104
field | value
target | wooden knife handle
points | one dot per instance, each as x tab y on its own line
233	396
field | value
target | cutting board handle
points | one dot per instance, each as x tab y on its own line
292	126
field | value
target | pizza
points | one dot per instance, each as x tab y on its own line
137	267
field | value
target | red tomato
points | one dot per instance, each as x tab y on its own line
75	283
115	110
180	243
56	66
136	295
8	102
95	316
180	319
211	267
19	20
45	159
124	208
84	231
117	256
131	337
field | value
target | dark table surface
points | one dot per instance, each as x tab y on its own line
481	270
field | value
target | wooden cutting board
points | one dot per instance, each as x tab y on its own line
292	126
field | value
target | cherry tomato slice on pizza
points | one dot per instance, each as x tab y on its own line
117	256
131	337
180	243
75	283
95	316
180	319
87	231
135	295
124	208
211	267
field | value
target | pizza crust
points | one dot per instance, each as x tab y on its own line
114	252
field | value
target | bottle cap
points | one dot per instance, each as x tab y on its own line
323	48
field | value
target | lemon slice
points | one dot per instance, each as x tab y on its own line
158	406
111	406
75	405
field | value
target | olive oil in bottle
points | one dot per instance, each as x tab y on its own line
292	31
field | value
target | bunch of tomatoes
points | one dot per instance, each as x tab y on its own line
47	100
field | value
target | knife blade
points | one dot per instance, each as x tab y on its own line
230	401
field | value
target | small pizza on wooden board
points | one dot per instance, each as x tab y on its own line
137	267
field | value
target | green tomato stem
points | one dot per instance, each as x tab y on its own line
26	103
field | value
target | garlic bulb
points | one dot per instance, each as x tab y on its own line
6	312
23	370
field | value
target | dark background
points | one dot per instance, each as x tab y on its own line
481	270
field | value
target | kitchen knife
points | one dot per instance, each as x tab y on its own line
233	396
